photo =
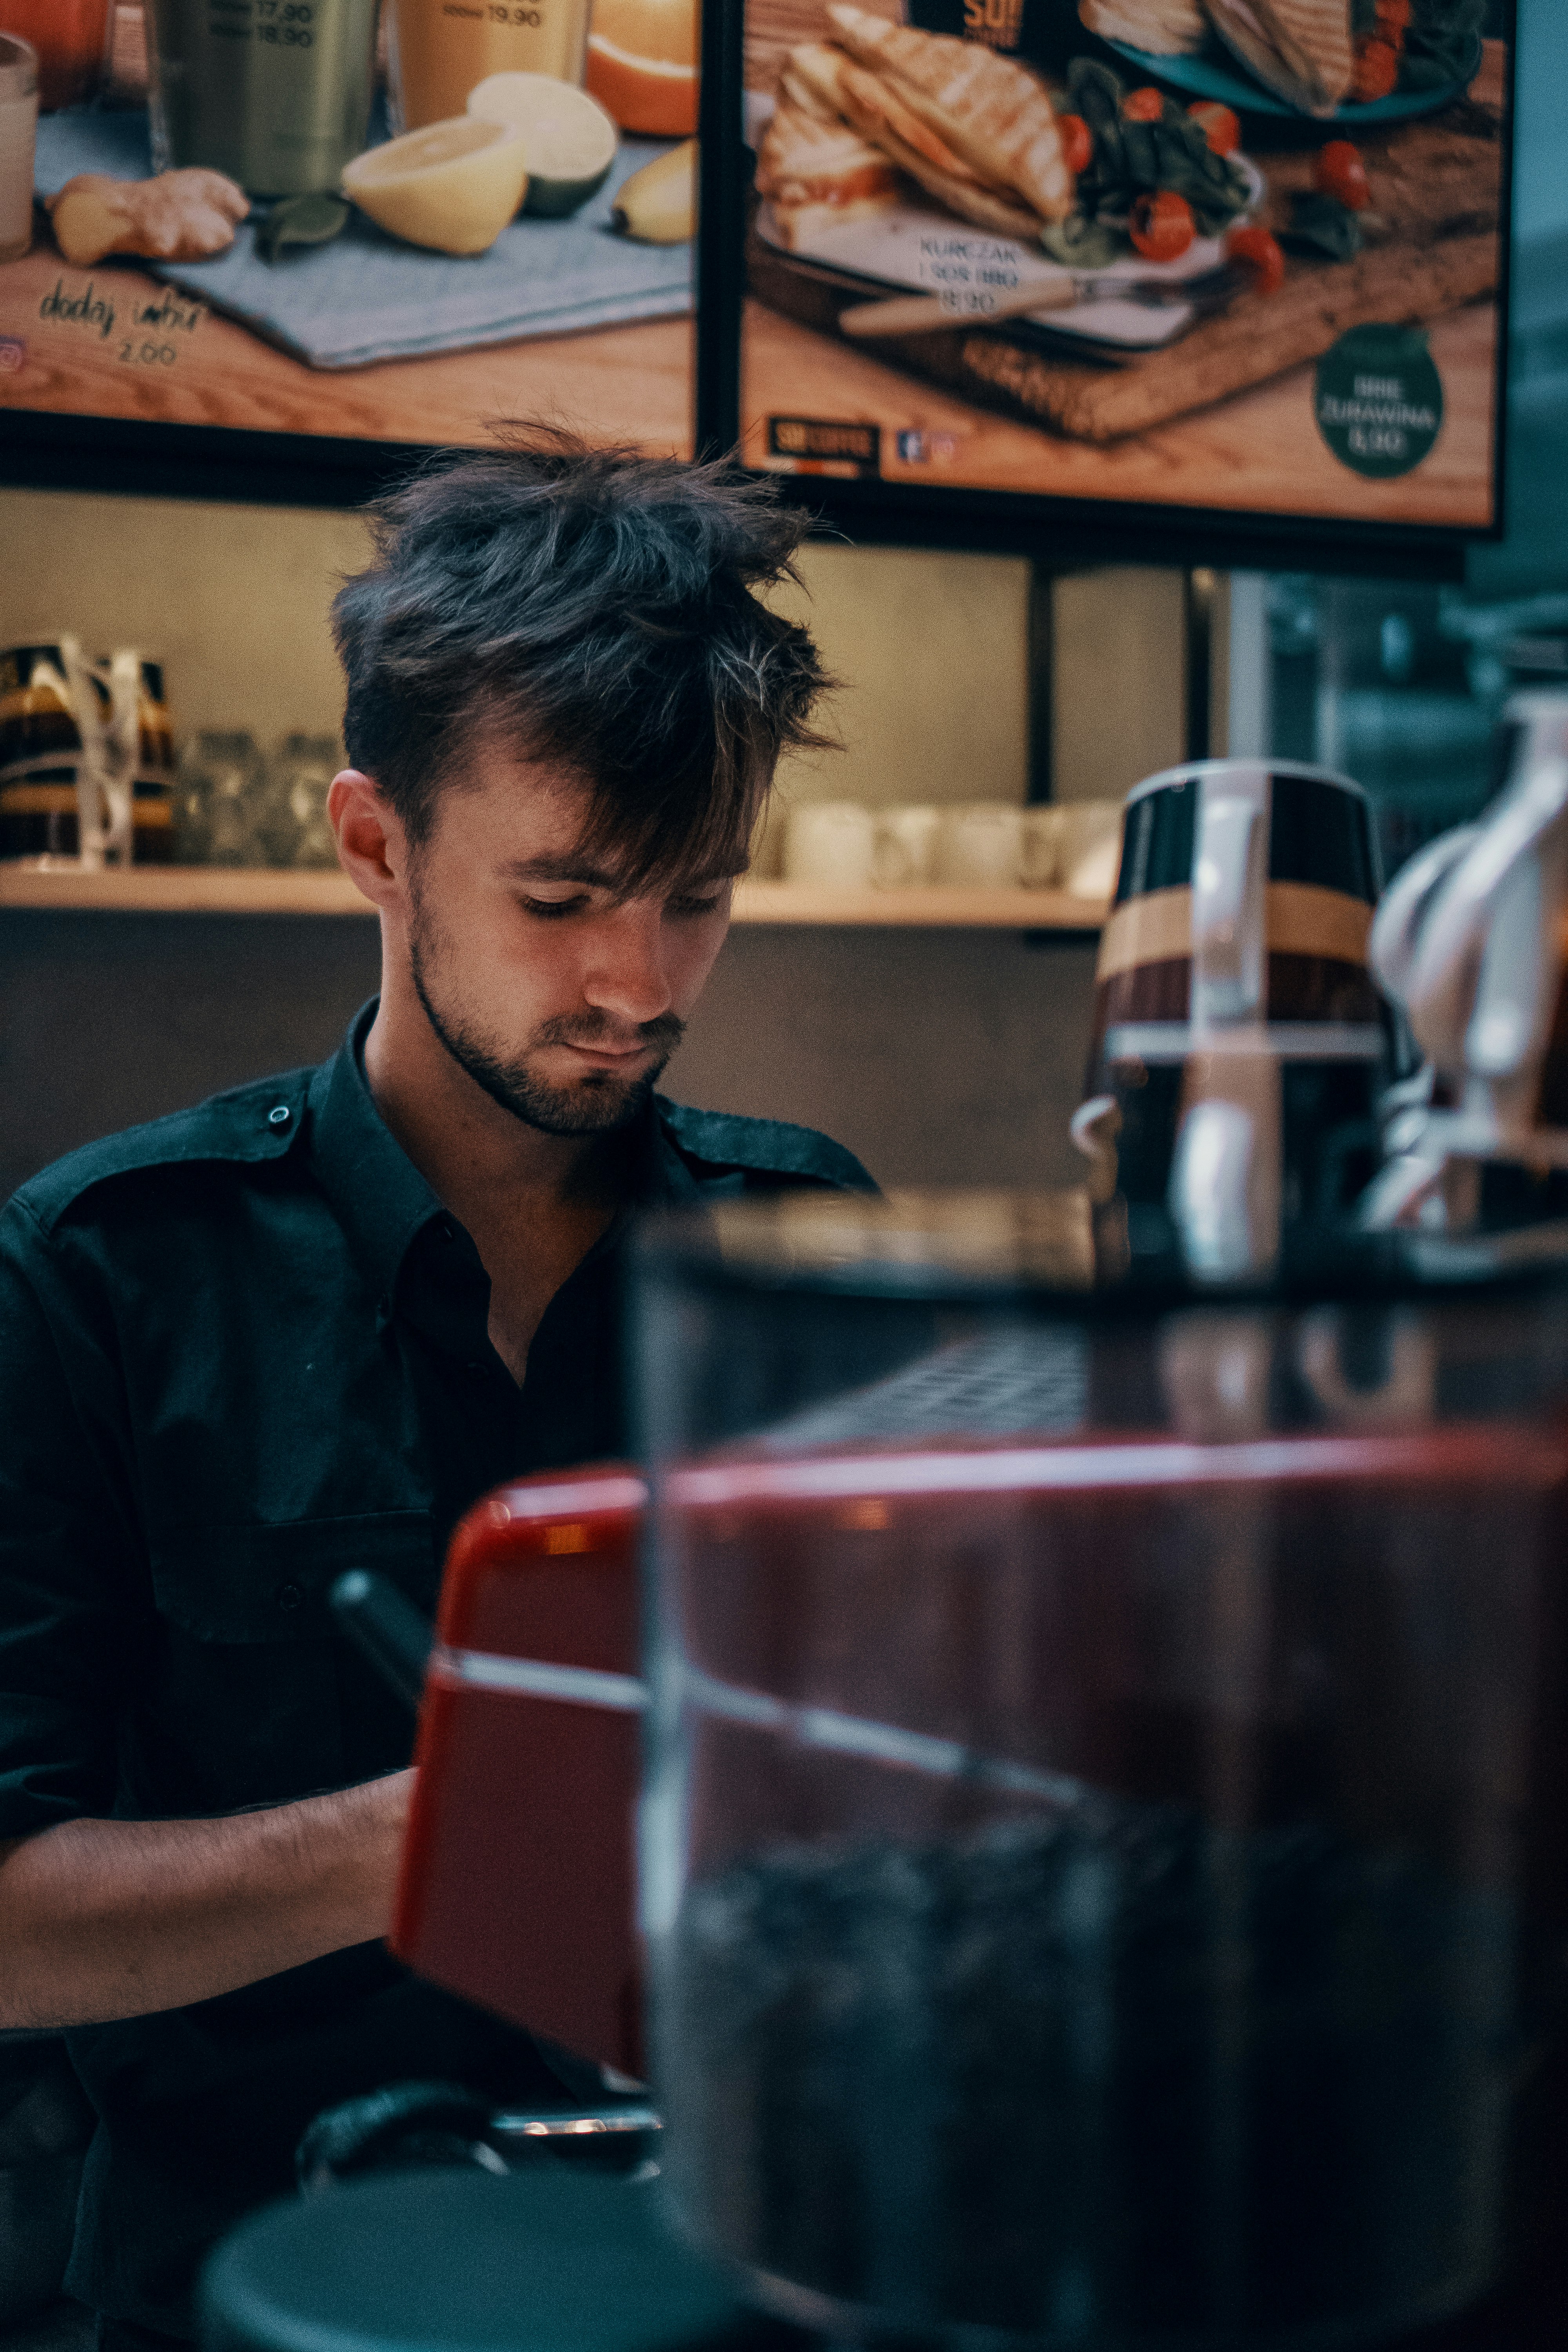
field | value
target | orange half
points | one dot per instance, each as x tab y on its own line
642	65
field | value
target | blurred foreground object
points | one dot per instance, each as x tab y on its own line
1238	1036
1471	942
1103	1776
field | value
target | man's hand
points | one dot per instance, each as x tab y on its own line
106	1919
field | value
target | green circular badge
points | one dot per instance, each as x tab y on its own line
1379	400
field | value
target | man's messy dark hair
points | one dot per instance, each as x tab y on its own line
591	606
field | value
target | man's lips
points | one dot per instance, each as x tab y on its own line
611	1057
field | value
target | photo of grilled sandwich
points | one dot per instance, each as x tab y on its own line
1301	49
875	101
1165	29
816	170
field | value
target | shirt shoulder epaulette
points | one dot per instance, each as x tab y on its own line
244	1124
718	1143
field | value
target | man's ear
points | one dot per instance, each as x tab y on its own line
373	847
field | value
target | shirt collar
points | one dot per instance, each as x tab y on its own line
383	1202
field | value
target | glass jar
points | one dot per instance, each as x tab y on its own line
284	117
296	828
218	801
1102	1868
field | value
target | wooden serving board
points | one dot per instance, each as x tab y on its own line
1437	191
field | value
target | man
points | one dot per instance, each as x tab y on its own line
301	1327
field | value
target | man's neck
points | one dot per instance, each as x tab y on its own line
534	1203
469	1148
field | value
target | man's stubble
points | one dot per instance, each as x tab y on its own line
599	1102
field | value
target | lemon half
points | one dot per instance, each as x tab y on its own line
658	206
568	140
452	186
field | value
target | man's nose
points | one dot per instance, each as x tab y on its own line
626	974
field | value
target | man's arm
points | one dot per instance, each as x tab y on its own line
106	1919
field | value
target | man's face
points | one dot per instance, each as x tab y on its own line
562	999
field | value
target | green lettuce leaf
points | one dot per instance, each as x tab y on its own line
1322	224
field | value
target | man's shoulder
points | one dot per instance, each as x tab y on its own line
254	1123
759	1152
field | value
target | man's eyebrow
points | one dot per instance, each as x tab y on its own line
570	867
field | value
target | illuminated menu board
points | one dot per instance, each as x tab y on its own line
347	223
1242	260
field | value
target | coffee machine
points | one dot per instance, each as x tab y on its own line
1052	1766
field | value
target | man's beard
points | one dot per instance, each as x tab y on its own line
598	1103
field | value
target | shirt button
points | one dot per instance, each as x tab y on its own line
278	1116
290	1596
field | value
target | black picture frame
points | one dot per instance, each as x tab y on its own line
67	450
1063	533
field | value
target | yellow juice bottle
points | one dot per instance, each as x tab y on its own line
441	48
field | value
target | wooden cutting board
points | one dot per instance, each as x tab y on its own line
1437	189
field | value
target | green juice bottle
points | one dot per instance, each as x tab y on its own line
276	93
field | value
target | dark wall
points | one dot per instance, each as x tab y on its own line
941	1057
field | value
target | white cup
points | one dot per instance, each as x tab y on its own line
979	844
828	845
906	846
1090	847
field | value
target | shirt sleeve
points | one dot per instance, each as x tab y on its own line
69	1632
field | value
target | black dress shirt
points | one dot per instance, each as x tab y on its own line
242	1350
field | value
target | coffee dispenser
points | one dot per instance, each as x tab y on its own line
1101	1803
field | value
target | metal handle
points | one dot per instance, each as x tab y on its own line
574	2123
1229	879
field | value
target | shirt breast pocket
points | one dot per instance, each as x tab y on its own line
258	1700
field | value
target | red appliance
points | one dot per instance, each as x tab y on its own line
518	1883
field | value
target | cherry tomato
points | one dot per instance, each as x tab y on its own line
1263	251
1162	226
1376	69
1218	125
1077	143
1339	171
1144	106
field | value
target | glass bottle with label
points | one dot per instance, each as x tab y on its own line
439	53
277	93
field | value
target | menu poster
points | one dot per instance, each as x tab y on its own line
364	221
1241	256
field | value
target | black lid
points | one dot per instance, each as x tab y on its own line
424	2261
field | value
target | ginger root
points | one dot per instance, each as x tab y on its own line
178	216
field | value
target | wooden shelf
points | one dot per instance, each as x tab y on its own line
227	890
182	890
993	910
